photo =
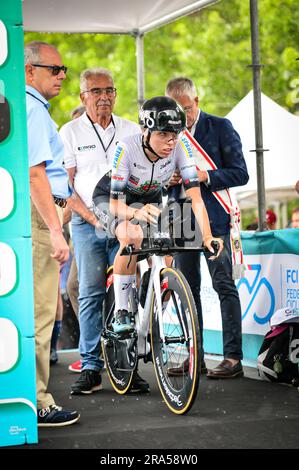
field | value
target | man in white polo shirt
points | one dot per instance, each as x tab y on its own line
89	149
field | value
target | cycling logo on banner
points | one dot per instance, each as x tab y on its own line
258	289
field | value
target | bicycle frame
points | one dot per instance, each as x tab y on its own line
153	289
166	333
158	263
157	251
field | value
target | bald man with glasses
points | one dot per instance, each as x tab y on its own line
222	144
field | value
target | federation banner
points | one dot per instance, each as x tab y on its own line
271	281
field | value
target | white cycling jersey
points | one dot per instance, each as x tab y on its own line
134	173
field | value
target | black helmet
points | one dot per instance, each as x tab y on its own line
162	114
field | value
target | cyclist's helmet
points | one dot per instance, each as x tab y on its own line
162	114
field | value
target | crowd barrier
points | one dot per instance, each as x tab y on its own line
271	282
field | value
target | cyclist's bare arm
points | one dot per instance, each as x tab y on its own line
201	215
147	213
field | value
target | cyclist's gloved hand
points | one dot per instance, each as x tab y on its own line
148	213
209	241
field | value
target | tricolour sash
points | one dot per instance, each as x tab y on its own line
204	163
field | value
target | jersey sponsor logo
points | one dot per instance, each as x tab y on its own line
164	165
116	193
186	166
186	146
149	186
117	178
192	181
118	156
140	167
86	147
134	180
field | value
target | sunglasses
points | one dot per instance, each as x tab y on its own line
56	69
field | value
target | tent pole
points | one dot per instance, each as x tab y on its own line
139	38
256	66
284	212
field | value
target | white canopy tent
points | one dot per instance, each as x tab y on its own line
99	16
135	17
281	166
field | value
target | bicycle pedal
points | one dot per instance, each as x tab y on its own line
125	335
146	357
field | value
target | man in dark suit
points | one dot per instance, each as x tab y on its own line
222	143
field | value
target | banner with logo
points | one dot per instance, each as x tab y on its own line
18	423
271	282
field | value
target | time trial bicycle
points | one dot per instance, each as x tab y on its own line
164	313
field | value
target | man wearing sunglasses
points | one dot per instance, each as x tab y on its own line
49	190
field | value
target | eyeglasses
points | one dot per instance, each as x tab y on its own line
109	91
56	69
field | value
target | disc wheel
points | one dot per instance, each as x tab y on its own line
117	355
175	342
120	379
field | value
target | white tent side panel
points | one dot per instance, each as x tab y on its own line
281	138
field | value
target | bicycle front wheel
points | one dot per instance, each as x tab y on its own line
175	342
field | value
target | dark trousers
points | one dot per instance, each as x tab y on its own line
221	274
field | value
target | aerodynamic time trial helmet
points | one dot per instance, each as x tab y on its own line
162	114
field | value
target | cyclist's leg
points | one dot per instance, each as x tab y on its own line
125	273
221	274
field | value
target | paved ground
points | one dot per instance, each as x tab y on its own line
228	414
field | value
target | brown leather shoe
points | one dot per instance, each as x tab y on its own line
183	369
225	370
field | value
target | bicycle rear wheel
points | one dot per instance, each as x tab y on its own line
121	360
120	356
175	341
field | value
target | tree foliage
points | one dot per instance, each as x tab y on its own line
212	46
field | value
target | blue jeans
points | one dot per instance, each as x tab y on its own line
221	274
93	255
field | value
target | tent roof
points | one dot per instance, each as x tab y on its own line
280	136
113	16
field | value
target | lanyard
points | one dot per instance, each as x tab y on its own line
35	97
99	137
